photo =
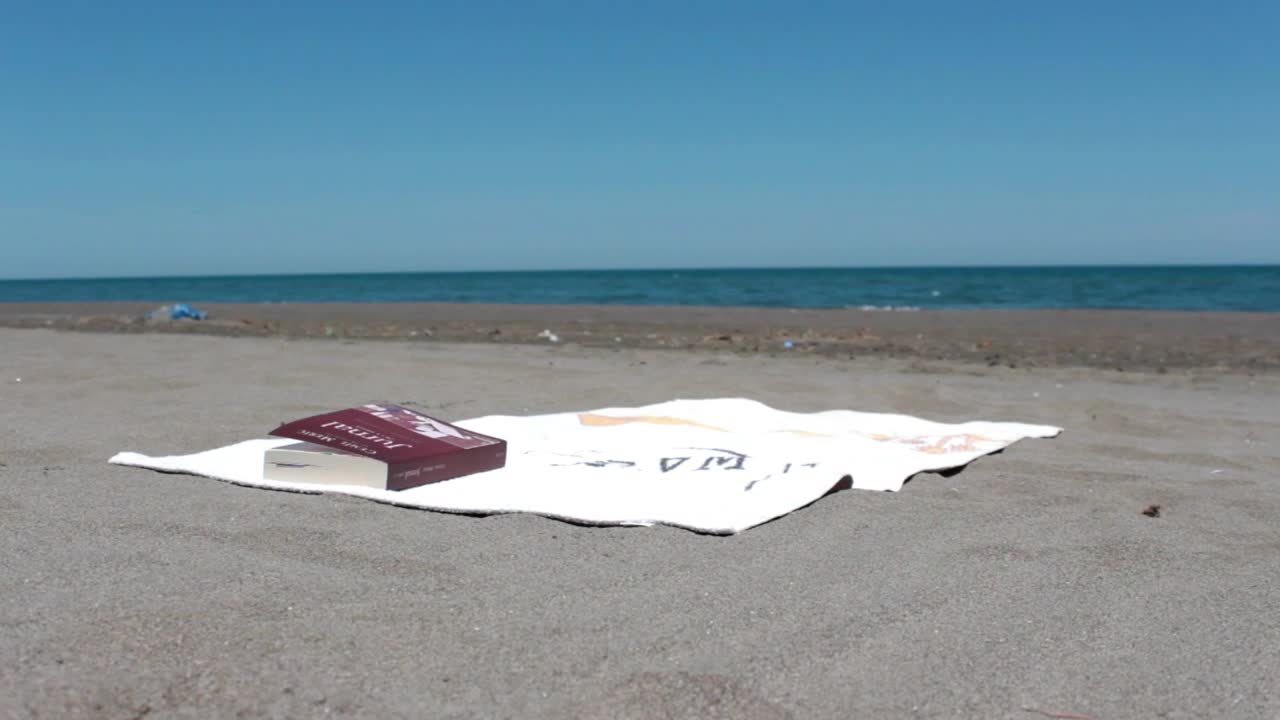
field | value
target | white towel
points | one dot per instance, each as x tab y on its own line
714	466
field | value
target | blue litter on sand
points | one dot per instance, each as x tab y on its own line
178	312
788	344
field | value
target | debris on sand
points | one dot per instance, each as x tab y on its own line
179	311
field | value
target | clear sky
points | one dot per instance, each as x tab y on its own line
141	138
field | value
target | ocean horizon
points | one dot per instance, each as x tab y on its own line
1166	287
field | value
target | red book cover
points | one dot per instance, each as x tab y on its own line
416	448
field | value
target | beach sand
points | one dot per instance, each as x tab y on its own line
1030	582
1111	339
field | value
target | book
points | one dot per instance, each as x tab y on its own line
382	446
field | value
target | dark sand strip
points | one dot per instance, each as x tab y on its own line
1127	340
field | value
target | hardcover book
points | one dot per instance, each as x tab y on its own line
381	446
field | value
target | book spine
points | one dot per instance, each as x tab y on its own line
424	471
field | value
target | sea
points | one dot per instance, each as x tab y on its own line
1223	288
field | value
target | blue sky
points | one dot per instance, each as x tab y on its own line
193	138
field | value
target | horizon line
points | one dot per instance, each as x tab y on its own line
1012	266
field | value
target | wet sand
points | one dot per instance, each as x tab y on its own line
1029	582
1125	340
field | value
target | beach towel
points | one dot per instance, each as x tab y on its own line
713	466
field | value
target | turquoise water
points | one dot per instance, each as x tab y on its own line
1255	288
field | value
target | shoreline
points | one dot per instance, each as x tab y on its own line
1152	340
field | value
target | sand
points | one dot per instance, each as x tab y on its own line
1029	580
1111	339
